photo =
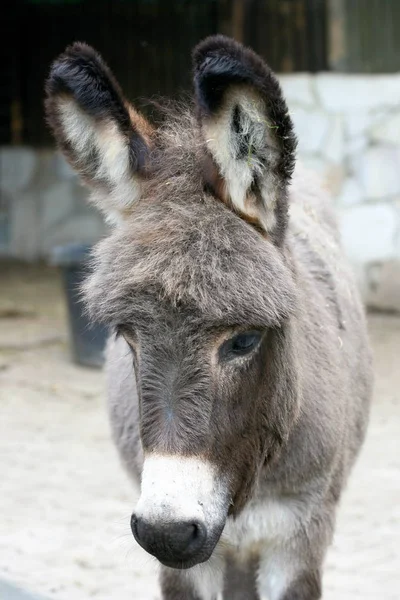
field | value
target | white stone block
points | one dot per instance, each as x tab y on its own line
359	122
356	146
297	89
378	171
331	176
388	130
311	128
24	229
86	228
368	232
334	177
338	93
57	203
351	193
17	166
62	167
314	163
356	123
333	146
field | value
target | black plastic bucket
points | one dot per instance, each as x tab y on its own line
87	339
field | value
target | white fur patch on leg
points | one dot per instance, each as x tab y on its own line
277	570
208	578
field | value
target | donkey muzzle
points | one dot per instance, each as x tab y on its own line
181	511
173	544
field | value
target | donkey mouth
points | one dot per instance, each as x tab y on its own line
186	564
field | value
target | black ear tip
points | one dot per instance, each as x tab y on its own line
80	50
219	56
77	59
78	54
215	45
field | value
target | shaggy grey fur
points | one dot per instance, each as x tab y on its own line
182	269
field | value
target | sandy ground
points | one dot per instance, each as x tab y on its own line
65	501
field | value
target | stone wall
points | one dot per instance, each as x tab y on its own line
43	204
349	131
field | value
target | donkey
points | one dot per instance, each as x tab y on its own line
239	367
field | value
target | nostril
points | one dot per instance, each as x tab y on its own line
183	536
195	531
197	537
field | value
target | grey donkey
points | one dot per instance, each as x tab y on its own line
239	366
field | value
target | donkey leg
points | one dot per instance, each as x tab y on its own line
293	570
307	586
285	577
175	586
240	580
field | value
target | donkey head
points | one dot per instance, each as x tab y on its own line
195	276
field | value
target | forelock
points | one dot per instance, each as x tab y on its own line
189	251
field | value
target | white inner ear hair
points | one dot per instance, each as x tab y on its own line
245	151
102	142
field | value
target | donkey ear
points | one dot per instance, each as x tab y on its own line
105	140
247	130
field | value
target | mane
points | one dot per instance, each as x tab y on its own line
178	150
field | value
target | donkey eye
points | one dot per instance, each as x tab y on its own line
240	345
